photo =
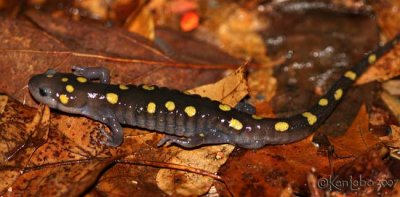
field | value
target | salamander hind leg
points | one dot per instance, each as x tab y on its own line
197	140
92	73
181	141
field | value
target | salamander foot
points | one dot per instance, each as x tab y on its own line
181	141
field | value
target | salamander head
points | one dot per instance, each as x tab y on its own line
50	89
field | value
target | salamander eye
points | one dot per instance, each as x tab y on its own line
42	92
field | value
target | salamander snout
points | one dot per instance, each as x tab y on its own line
43	90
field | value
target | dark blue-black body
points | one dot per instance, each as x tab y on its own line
187	120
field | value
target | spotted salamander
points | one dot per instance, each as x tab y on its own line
187	120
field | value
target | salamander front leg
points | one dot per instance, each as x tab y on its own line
117	134
92	73
107	117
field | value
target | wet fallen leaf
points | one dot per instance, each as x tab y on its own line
272	169
361	179
357	138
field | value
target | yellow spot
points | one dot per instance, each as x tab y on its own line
151	108
372	58
236	124
190	111
187	93
224	107
64	99
311	118
256	117
323	102
69	88
112	98
281	126
64	79
81	79
350	74
201	134
123	87
338	94
170	105
49	75
147	87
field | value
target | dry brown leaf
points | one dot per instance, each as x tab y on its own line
97	9
392	87
21	154
3	102
181	183
23	131
228	22
393	103
388	16
231	89
142	23
68	179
